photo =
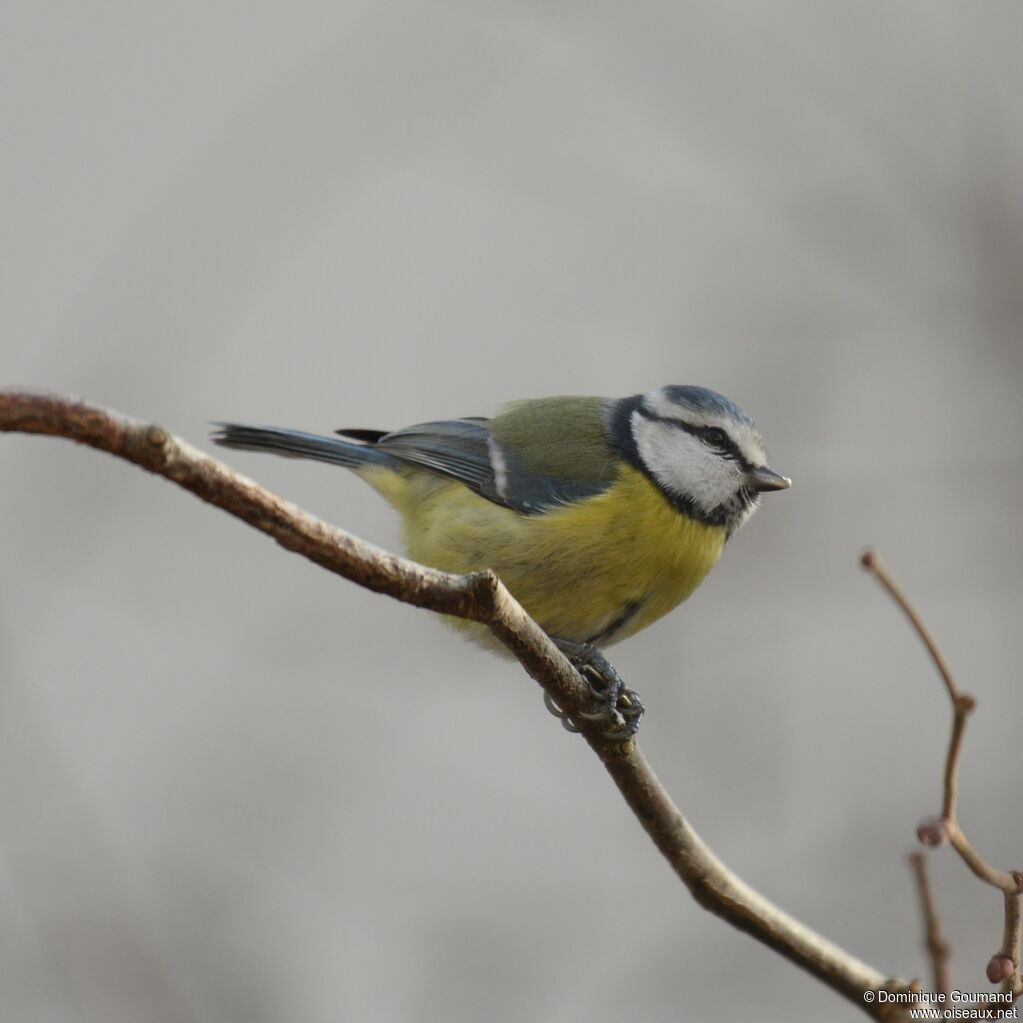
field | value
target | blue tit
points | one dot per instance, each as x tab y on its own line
600	515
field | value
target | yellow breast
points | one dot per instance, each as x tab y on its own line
597	570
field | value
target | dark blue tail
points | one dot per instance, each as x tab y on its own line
296	444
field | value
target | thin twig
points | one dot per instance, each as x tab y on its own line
873	563
938	949
1006	882
1011	940
962	707
480	597
947	827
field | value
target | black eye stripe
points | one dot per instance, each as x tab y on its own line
729	450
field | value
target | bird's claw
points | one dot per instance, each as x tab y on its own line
618	705
566	722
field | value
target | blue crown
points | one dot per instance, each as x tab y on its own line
703	399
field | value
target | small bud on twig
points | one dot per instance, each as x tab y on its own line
964	703
934	831
999	968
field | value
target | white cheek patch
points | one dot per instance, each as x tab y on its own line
684	465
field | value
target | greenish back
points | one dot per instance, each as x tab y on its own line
565	438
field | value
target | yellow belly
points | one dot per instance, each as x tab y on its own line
578	570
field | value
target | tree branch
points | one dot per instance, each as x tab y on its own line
1004	965
480	597
938	950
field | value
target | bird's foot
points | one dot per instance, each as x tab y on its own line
618	705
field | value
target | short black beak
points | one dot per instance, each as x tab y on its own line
762	479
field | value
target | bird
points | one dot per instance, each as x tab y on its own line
600	515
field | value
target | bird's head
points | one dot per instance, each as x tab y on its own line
699	448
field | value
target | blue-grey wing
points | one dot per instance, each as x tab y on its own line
465	450
458	448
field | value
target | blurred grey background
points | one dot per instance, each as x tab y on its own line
234	788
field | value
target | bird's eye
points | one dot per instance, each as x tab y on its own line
715	438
